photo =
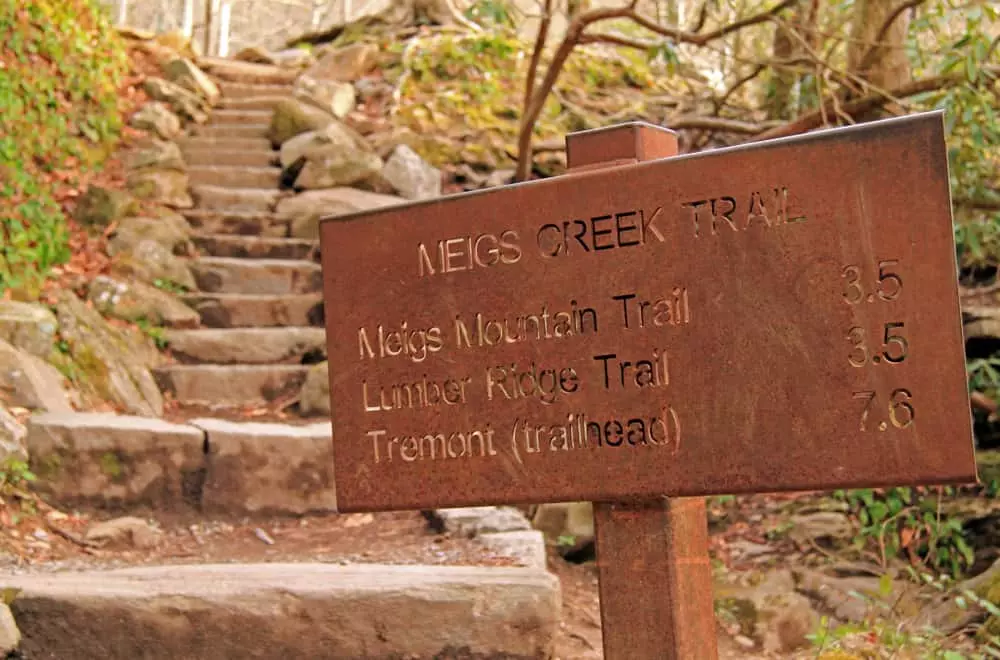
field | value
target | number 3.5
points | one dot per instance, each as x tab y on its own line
889	285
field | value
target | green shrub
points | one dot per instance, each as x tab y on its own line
61	64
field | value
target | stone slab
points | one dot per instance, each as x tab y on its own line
196	156
230	130
241	310
256	200
315	611
113	461
235	176
246	345
243	223
255	247
526	545
260	276
242	384
268	468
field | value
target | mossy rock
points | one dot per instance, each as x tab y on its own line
294	117
98	207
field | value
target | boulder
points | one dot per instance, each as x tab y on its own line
112	461
831	528
160	154
135	301
30	382
255	55
113	363
411	176
293	117
345	64
335	98
315	396
171	230
183	72
12	435
157	118
291	57
328	158
184	103
567	525
30	327
475	520
304	211
98	207
153	263
161	186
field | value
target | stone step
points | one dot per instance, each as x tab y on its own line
219	198
225	143
230	157
288	610
247	72
240	90
241	310
247	345
264	102
231	176
241	116
260	276
231	384
241	223
230	130
255	247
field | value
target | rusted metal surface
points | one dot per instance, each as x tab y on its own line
655	580
780	316
652	555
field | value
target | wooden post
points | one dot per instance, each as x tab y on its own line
652	555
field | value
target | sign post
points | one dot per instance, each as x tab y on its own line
651	329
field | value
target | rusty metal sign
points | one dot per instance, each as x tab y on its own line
777	316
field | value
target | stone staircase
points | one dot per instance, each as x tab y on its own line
259	291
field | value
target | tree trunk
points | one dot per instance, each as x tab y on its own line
877	51
789	50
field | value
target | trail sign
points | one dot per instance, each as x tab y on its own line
777	316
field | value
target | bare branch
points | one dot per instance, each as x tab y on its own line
859	106
536	55
700	38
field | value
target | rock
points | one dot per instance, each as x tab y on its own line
29	327
830	527
12	435
185	103
136	301
30	382
475	520
157	118
176	41
152	263
10	636
299	610
771	613
124	532
315	396
853	599
332	157
171	230
113	461
330	96
98	207
292	57
158	154
161	186
260	468
294	117
113	363
304	211
411	176
567	525
183	72
345	64
499	178
527	546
